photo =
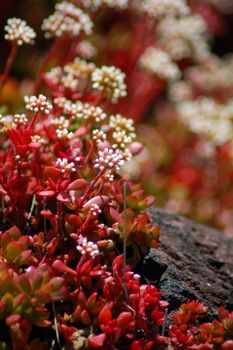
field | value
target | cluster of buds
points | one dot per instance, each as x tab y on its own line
99	136
20	119
184	37
87	247
109	81
96	4
158	62
67	20
19	32
109	159
158	8
38	104
94	210
65	166
208	117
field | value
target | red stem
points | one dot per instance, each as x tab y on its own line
56	45
88	191
31	126
9	63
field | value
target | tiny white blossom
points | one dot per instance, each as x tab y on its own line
87	247
38	104
67	19
19	32
65	166
20	119
110	81
109	159
95	210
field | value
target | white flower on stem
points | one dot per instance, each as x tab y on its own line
64	134
67	19
158	62
19	32
164	8
95	210
20	119
65	166
87	247
110	81
109	159
99	135
38	104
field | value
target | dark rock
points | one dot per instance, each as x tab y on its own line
193	262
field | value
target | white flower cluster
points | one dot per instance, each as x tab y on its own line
215	74
180	90
109	159
99	136
75	72
19	32
80	110
64	134
110	81
158	62
38	104
94	210
54	75
60	122
119	123
161	8
65	166
87	247
37	139
67	19
20	119
96	4
184	37
207	117
86	49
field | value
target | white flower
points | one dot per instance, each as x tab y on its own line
87	247
37	104
158	62
110	81
19	32
164	8
67	19
109	159
20	119
65	166
64	134
99	135
95	210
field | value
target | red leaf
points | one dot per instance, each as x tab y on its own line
77	185
105	315
52	172
96	341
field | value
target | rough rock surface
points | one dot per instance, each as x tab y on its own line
193	262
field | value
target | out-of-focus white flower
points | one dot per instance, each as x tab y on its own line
163	8
67	20
37	104
19	32
65	165
158	62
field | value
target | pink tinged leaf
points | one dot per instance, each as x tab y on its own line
116	216
77	185
46	193
12	319
60	267
63	197
96	341
99	200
